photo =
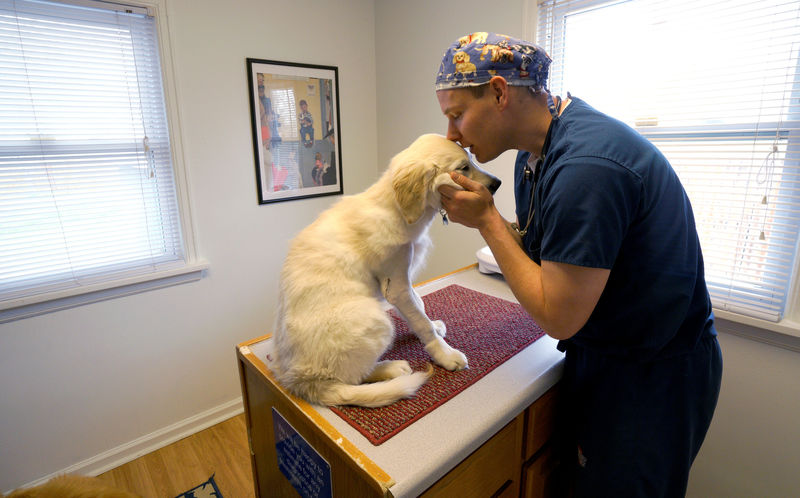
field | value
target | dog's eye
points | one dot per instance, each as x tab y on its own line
463	167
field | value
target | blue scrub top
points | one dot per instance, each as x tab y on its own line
607	198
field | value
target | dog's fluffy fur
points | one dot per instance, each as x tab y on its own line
331	327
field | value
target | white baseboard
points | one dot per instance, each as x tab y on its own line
155	440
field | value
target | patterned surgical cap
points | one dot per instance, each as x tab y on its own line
474	59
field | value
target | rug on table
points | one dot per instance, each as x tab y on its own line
207	489
487	329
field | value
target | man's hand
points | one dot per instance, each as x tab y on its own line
472	207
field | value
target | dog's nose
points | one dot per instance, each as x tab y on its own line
494	185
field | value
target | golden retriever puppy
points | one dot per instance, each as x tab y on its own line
331	327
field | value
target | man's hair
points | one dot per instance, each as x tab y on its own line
477	91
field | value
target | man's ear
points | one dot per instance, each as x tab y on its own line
498	86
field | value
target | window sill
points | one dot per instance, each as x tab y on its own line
18	309
784	334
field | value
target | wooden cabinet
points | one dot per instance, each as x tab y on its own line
539	476
539	423
492	470
515	461
540	461
350	472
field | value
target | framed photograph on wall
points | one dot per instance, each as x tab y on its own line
294	109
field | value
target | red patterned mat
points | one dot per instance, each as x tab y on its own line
487	329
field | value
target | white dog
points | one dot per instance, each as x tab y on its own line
331	327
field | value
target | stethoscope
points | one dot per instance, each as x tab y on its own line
531	174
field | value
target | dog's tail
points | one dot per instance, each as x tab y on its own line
373	394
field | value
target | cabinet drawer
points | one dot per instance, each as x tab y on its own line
539	477
540	421
487	470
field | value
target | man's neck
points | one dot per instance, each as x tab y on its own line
534	120
538	123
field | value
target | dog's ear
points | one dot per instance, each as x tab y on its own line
443	178
411	183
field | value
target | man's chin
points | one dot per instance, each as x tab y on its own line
474	155
479	157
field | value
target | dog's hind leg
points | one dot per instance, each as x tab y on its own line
361	333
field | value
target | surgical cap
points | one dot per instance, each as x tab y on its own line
474	59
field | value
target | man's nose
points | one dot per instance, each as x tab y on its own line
452	132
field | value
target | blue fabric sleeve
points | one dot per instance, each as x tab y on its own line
588	205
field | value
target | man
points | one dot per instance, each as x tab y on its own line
604	256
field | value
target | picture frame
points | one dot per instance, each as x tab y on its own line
294	112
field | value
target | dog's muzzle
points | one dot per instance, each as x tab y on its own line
494	184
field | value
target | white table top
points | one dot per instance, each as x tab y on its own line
423	452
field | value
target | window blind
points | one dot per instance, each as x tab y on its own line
716	86
283	102
86	180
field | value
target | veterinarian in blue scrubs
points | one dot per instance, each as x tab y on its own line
604	255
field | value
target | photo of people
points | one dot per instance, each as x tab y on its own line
295	124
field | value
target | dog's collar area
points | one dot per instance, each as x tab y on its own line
444	216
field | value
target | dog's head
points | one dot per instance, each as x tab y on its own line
418	172
460	57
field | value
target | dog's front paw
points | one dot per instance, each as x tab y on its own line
439	328
445	356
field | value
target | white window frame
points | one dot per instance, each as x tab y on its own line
784	333
194	267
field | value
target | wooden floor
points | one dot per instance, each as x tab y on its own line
221	450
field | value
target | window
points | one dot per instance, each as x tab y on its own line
287	113
716	86
288	149
88	195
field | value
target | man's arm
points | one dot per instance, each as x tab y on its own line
559	296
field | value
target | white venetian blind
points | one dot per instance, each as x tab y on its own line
86	179
283	104
716	86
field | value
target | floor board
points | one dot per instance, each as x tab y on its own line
221	450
